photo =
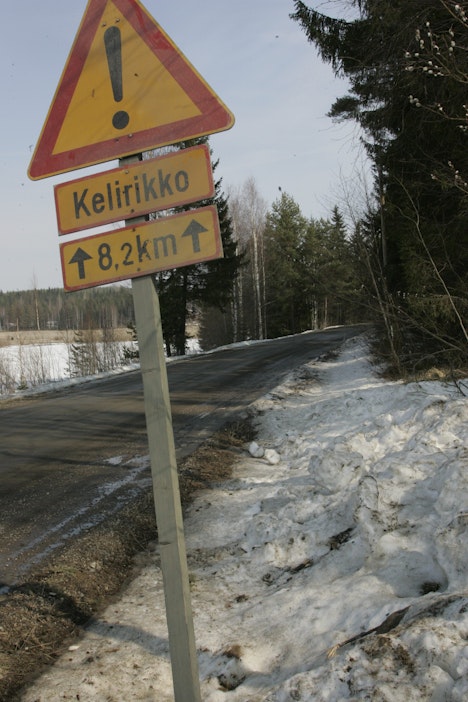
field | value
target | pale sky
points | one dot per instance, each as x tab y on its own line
252	55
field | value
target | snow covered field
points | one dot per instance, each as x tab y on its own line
30	365
353	517
28	368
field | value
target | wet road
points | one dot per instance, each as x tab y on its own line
69	459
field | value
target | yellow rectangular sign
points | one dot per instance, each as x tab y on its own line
145	248
175	179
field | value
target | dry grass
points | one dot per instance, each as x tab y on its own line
53	336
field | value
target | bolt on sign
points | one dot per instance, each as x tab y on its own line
134	190
126	88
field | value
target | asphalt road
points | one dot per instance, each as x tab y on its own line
71	458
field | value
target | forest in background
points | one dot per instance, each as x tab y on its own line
53	308
281	274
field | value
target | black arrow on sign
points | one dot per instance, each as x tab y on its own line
80	257
194	229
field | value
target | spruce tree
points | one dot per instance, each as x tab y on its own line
285	233
407	67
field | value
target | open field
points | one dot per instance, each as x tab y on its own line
52	336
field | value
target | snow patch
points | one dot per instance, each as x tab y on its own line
338	571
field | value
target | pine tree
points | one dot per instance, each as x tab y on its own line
285	232
336	272
311	274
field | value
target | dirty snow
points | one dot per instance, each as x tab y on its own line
351	507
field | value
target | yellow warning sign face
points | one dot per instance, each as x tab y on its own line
170	242
150	96
126	88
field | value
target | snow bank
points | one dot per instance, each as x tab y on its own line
357	530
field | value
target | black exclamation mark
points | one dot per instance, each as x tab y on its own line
113	44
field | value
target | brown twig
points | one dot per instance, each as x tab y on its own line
387	625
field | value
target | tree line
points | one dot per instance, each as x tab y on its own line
296	273
53	308
281	273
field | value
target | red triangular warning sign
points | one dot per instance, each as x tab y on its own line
126	88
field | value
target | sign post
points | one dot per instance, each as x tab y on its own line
126	88
166	492
165	480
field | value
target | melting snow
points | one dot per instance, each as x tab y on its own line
348	515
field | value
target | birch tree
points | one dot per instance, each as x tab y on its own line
248	209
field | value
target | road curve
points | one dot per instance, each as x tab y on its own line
68	459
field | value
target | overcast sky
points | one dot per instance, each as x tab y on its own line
251	54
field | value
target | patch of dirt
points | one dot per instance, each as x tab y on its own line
41	617
391	649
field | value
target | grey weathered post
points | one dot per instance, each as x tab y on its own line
166	491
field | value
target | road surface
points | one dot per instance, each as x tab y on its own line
68	459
